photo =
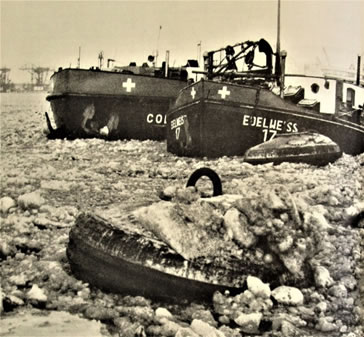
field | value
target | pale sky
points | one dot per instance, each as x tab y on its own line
49	33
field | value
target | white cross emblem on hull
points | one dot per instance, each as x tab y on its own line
128	85
193	93
224	92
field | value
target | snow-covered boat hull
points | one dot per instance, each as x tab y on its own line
127	262
305	147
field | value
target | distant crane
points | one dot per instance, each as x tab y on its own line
38	75
5	83
4	75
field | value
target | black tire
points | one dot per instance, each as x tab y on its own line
211	174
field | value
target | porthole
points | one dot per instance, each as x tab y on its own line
315	88
327	85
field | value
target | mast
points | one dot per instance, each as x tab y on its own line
157	52
101	59
358	71
278	48
199	52
167	64
280	56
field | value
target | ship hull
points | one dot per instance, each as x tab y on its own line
112	105
210	126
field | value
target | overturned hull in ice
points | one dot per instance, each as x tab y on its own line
178	250
127	262
305	147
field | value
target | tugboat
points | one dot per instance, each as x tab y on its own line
127	102
234	110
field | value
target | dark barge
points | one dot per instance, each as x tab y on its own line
126	103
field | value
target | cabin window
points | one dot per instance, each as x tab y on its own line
315	88
327	85
350	97
192	63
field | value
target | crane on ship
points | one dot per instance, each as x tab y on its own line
38	77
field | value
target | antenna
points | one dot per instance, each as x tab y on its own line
167	64
79	58
327	56
199	52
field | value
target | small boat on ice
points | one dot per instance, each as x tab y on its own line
122	103
300	147
234	111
